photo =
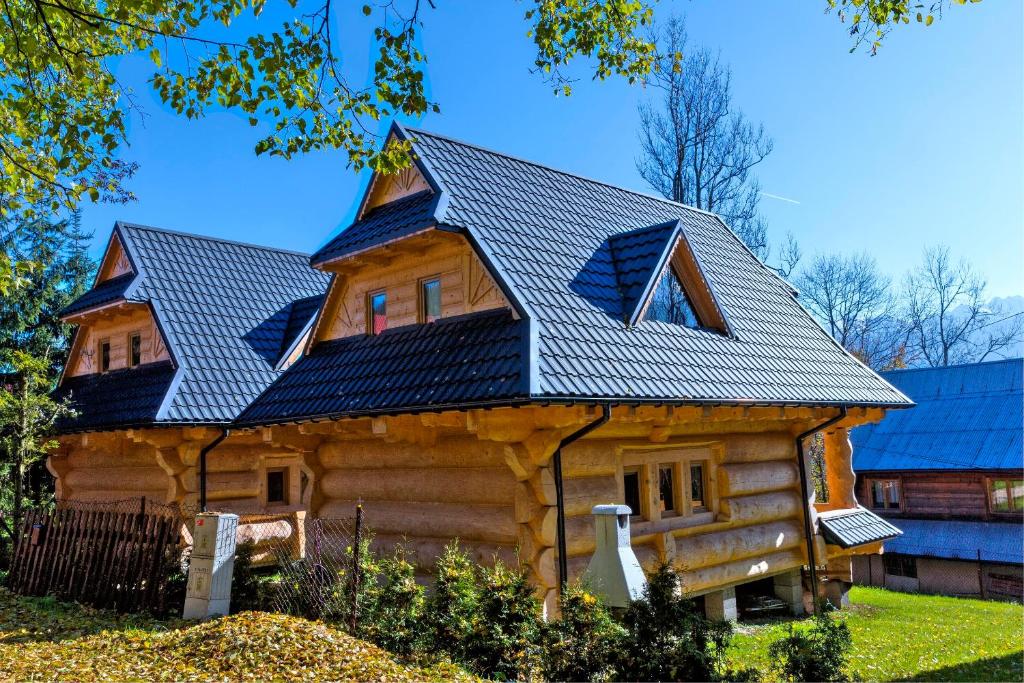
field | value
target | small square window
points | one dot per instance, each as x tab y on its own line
1006	495
104	354
631	488
900	565
377	309
134	350
430	300
885	494
697	503
276	487
666	489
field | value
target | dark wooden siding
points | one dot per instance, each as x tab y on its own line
937	494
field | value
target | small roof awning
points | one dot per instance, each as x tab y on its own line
853	527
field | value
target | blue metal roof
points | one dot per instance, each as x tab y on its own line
381	224
225	309
549	234
960	540
968	417
637	257
475	357
850	528
104	293
120	398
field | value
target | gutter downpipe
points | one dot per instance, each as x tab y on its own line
805	492
202	466
556	462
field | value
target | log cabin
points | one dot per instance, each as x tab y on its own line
489	350
950	475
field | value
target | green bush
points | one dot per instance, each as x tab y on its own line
817	654
582	643
453	604
246	588
392	614
506	639
667	639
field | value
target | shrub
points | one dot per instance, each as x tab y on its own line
667	639
818	654
246	588
505	643
453	604
581	644
392	614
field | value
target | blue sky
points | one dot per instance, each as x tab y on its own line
919	145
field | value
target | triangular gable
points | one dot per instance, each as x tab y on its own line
384	189
641	258
116	261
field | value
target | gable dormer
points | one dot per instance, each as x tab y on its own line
417	280
659	278
115	331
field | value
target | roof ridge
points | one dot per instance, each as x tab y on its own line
938	368
561	171
210	238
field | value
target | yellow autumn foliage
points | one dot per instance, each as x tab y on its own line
46	640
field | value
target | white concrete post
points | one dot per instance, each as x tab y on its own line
721	605
614	572
211	566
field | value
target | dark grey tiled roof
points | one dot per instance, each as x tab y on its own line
104	293
224	308
120	398
477	357
636	256
968	417
382	224
547	234
960	540
849	528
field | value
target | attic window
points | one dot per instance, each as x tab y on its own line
104	354
134	349
670	303
430	299
377	309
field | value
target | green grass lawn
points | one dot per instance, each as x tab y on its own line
898	636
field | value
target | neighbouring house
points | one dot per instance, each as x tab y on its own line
492	348
950	475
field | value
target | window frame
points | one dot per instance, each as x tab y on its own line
371	329
649	463
421	294
103	364
640	512
882	481
130	349
900	563
1008	487
285	484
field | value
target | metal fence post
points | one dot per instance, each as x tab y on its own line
356	540
981	577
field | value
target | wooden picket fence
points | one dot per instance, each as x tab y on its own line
106	558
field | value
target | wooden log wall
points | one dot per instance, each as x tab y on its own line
423	495
756	530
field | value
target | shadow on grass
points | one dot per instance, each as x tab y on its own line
1006	668
28	619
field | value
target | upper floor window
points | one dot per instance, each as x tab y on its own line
134	349
430	299
670	303
377	312
1006	495
104	354
885	494
697	480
